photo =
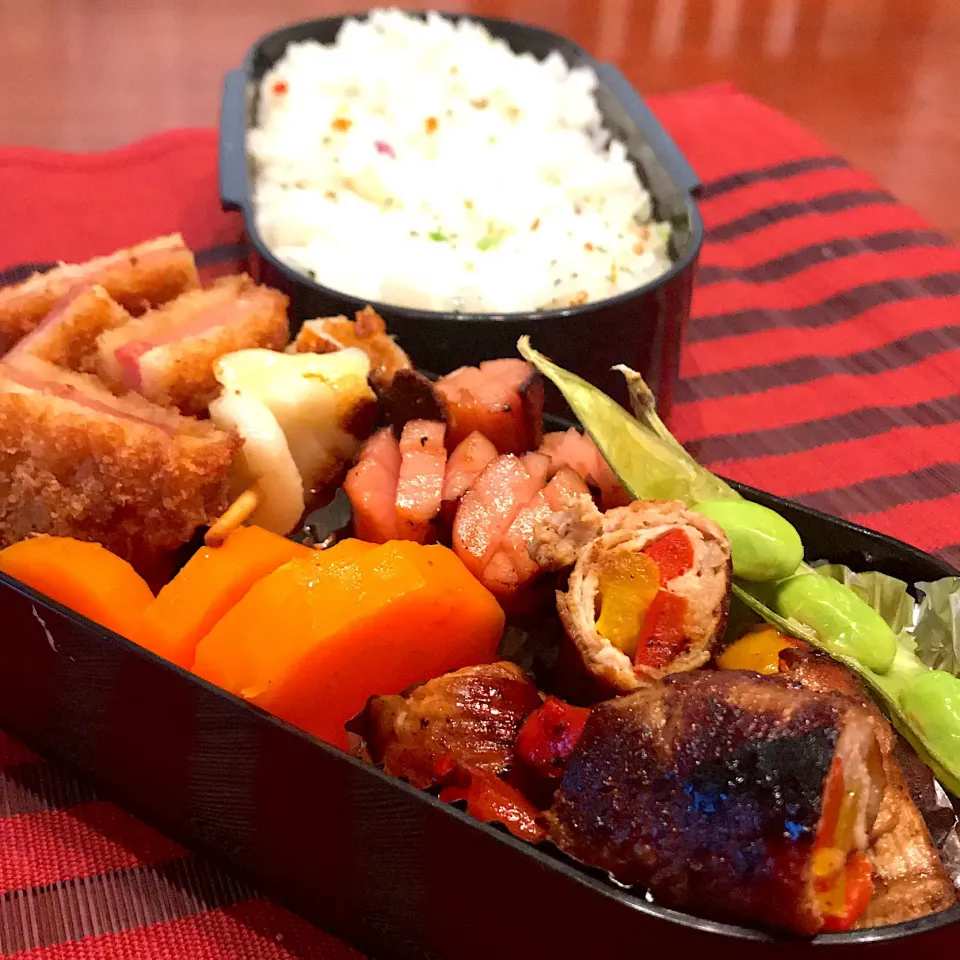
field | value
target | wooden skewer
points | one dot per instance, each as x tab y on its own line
234	516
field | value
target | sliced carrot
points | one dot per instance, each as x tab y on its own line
85	577
423	459
210	583
316	638
371	486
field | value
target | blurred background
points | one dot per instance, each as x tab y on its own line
877	79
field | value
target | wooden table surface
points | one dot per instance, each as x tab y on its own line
878	79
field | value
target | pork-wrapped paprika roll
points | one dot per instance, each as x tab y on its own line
649	592
729	795
909	878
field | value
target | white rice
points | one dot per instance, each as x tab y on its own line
424	164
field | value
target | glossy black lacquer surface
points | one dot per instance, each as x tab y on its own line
386	867
643	328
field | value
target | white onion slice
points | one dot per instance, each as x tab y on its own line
264	459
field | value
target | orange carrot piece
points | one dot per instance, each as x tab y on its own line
316	638
211	582
85	577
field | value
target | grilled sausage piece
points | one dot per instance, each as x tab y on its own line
708	790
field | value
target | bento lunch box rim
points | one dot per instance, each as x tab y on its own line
582	875
677	268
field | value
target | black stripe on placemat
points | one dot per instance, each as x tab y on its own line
834	309
59	913
790	264
23	271
780	171
37	786
891	356
885	493
859	424
222	253
951	554
829	203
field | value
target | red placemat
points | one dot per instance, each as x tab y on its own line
821	364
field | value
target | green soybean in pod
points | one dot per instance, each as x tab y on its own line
845	624
931	702
763	545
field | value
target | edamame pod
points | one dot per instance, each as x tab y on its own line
763	545
931	701
845	624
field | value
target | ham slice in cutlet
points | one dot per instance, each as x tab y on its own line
167	355
503	399
141	277
423	459
67	336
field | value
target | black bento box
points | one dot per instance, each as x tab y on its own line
382	865
643	328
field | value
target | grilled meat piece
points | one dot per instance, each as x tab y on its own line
466	720
709	790
909	878
367	331
410	396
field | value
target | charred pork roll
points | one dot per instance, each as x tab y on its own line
467	719
909	878
648	594
730	795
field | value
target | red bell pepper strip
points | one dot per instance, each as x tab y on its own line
662	637
830	809
548	736
672	553
490	799
859	890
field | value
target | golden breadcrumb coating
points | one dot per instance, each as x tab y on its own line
180	373
141	489
138	278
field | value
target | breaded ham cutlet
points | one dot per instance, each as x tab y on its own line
167	355
77	461
67	335
141	277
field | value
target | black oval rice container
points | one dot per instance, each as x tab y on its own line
643	328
